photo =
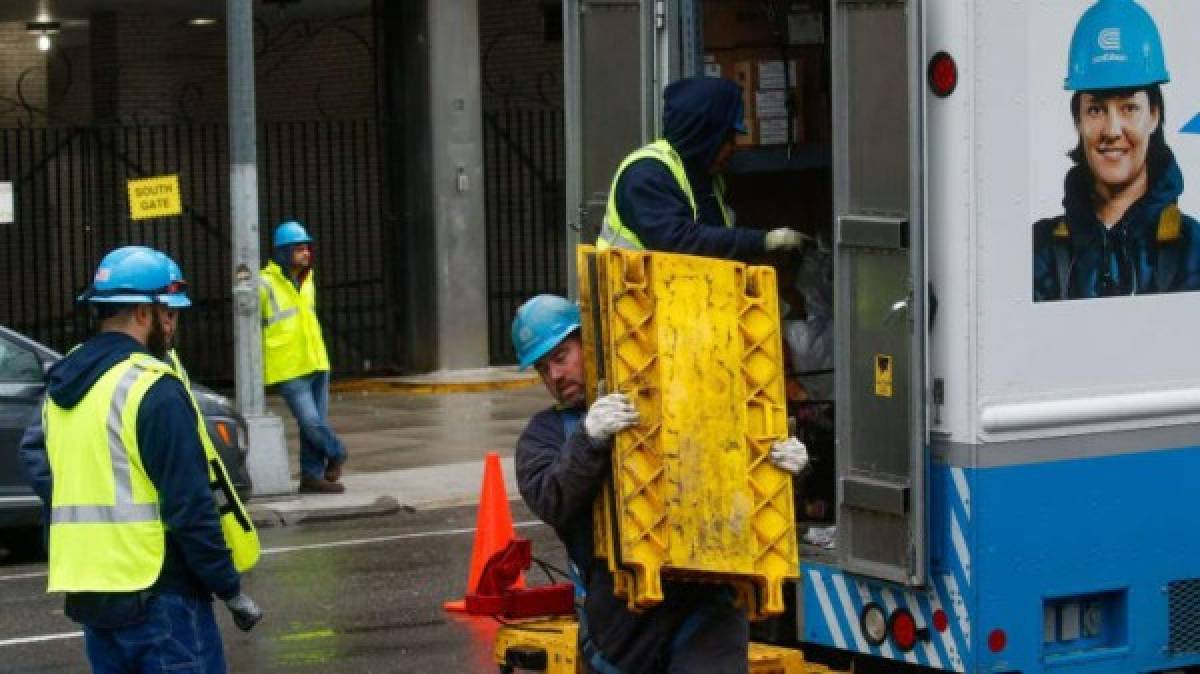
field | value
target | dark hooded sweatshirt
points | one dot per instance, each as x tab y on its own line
197	561
1126	259
699	113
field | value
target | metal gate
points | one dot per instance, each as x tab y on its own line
70	207
526	210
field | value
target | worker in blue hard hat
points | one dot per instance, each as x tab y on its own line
119	456
562	459
294	356
1122	232
670	194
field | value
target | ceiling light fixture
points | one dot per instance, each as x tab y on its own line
202	21
43	30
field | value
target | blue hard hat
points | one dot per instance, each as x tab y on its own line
290	233
542	323
177	297
130	275
1115	46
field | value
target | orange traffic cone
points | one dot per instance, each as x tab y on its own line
493	527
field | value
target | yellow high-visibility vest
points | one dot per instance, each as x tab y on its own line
240	536
292	342
614	233
106	533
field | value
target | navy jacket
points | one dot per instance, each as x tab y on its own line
698	115
198	563
559	478
1127	259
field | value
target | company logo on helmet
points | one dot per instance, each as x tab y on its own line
103	274
1110	57
1109	39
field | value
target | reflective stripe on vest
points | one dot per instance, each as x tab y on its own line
122	512
276	314
615	234
177	366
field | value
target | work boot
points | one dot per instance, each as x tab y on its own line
316	485
333	472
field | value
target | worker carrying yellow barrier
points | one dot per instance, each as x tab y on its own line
563	460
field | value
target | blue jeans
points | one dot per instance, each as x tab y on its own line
308	399
179	635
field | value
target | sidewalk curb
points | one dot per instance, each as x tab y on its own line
427	387
288	513
266	517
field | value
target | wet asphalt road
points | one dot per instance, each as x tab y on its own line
337	599
391	431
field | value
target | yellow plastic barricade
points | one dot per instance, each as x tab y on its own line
695	343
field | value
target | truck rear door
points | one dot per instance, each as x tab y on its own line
880	288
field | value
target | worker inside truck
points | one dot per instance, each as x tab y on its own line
1122	232
562	459
670	195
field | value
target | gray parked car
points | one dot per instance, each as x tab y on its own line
23	366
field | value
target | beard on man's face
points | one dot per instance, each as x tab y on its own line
158	342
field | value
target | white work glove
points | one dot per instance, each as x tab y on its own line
608	415
246	613
790	456
784	239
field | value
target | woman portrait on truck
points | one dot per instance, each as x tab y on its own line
1122	232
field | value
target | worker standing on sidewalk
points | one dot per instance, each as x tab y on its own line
135	537
294	357
669	196
562	460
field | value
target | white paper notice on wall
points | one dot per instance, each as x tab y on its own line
7	211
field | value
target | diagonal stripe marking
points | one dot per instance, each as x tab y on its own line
959	476
959	607
839	582
960	547
827	609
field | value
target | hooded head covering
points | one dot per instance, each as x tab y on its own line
699	113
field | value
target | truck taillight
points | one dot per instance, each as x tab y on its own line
903	628
943	74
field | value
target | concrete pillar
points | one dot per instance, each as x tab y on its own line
267	459
445	237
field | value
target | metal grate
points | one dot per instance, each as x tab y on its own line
70	207
1183	608
526	234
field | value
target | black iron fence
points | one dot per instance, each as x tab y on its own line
526	208
71	206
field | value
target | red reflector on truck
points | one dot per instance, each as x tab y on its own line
943	74
904	630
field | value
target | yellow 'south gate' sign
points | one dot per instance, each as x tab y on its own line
154	197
